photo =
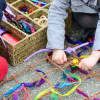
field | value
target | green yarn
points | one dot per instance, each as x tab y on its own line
61	84
54	96
73	67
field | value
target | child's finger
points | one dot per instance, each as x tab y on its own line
86	68
80	65
90	67
59	61
65	58
83	67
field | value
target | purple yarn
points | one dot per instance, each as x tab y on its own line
82	93
68	50
71	79
42	4
40	83
40	71
29	84
56	86
33	84
35	3
96	99
83	71
15	96
42	80
22	87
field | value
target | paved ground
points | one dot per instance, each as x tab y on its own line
89	86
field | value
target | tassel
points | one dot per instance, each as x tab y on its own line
54	96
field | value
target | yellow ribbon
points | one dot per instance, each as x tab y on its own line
56	92
75	61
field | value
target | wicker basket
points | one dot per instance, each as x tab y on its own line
11	1
27	44
25	47
38	14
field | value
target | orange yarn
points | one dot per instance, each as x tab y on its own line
39	4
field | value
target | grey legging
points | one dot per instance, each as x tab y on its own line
88	22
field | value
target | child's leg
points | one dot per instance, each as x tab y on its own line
85	20
88	22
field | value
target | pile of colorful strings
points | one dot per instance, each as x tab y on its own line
18	21
22	86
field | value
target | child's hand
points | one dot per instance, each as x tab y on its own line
89	62
59	56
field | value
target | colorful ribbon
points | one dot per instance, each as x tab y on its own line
25	84
53	90
64	84
39	2
15	95
27	27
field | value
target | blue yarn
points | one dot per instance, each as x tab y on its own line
39	2
65	85
75	42
11	91
41	72
79	54
98	61
25	84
